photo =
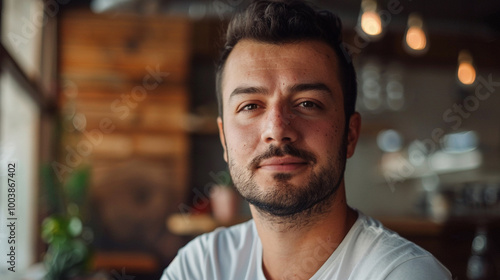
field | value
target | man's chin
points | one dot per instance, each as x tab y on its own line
283	202
276	209
284	199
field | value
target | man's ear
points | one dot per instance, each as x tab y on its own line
222	137
353	133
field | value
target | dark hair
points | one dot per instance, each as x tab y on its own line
280	22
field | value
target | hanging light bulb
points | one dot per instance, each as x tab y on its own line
466	72
369	19
415	40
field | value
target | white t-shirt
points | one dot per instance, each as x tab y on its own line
368	251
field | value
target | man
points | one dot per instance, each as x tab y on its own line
287	90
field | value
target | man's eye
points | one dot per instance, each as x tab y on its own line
308	104
249	107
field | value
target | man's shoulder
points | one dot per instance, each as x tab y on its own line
375	233
223	238
213	253
234	234
378	242
384	252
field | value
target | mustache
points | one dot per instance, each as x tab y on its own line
284	150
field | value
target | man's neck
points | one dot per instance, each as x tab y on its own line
297	251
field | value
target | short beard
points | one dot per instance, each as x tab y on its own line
289	204
301	207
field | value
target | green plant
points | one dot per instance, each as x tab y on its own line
68	252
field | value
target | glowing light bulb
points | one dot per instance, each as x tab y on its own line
466	72
415	40
371	23
369	19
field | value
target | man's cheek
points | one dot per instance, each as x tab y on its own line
241	140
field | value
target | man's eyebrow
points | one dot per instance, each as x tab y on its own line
309	87
292	89
248	90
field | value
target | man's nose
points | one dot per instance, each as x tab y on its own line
279	126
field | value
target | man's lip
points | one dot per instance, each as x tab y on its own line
281	161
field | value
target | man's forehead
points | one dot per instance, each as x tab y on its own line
249	59
251	51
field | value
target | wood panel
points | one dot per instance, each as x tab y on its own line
124	45
164	110
125	78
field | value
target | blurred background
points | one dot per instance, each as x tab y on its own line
109	139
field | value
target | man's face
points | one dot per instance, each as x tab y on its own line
284	130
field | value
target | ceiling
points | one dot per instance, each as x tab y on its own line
443	9
452	15
447	10
442	14
452	24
